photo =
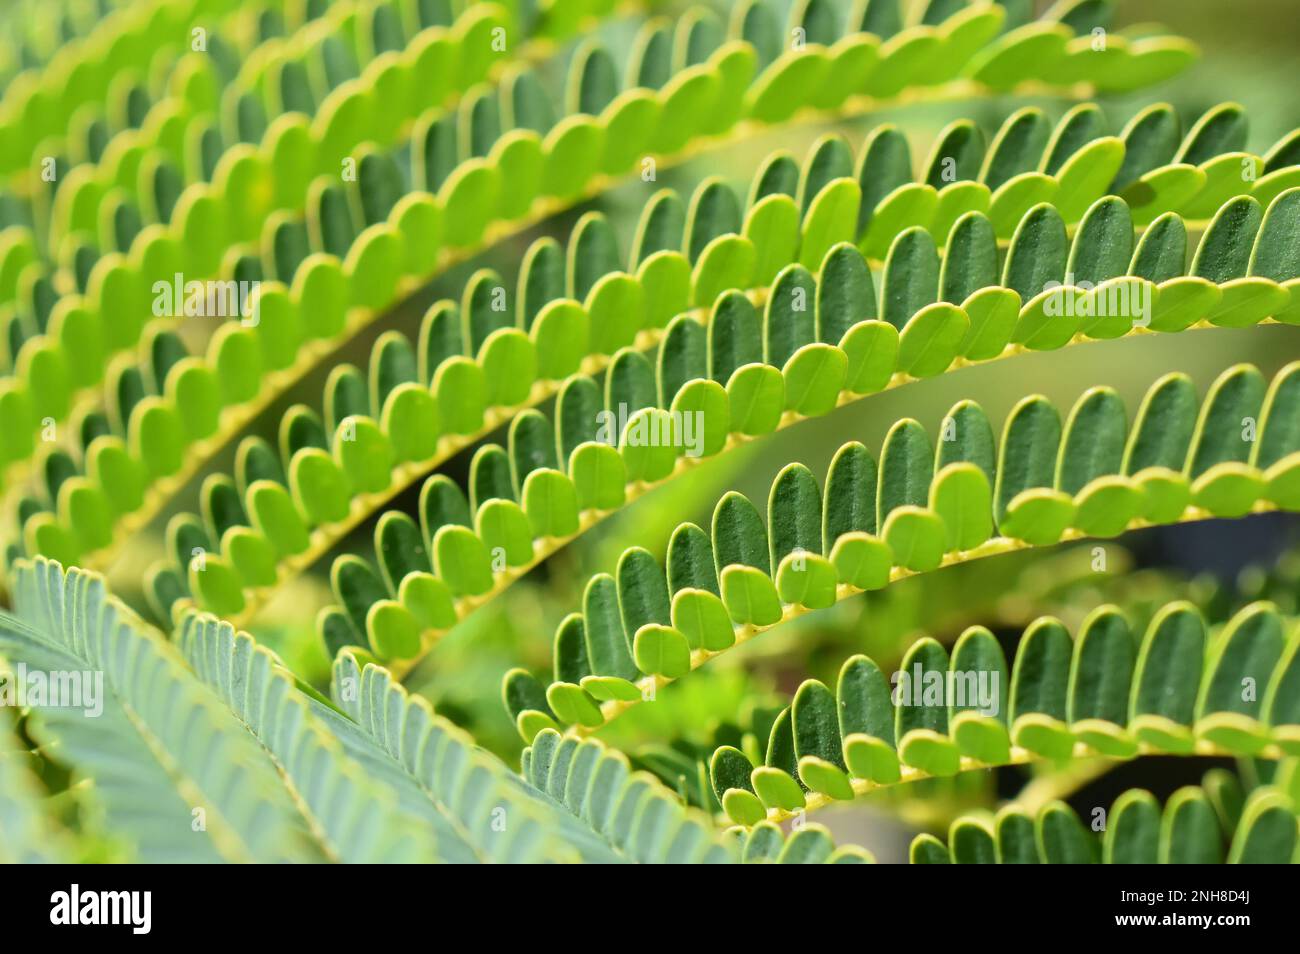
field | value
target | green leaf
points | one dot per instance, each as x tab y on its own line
861	560
1100	676
1025	51
921	716
1133	830
469	198
1038	253
970	262
1189	832
75	626
608	647
979	674
1027	457
649	445
1039	687
462	559
911	277
685	103
461	391
665	280
1093	444
814	377
1224	252
831	218
853	59
757	395
911	205
783	87
1221	428
1086	176
1243	656
1103	245
628	121
505	531
903	60
1162	190
750	596
1169	668
727	262
1061	837
993	313
410	421
661	650
772	226
364	454
872	351
509	362
1226	176
599	476
906	469
971	842
320	485
931	339
1013	200
702	618
1038	516
1267	834
550	500
1274	256
807	580
916	537
961	496
814	714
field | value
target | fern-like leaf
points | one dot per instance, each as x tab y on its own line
161	739
1206	825
1102	693
917	508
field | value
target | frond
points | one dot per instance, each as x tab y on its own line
1178	690
167	417
646	823
358	819
1213	824
161	739
744	376
282	774
459	327
922	506
399	737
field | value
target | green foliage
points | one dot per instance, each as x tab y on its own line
307	266
1213	824
1104	692
161	740
734	398
238	762
644	822
348	337
915	508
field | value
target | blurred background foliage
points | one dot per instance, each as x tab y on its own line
1251	55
